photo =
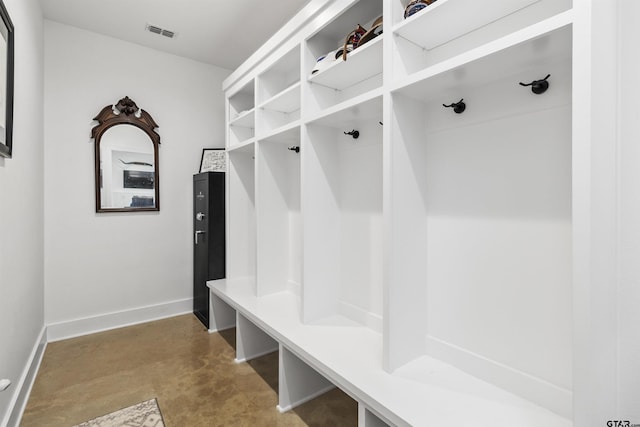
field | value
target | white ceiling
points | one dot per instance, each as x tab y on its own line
218	32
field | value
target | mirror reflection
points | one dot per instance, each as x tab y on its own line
127	168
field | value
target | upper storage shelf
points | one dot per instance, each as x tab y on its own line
367	108
245	119
333	80
361	64
241	116
278	93
241	102
286	101
280	77
441	21
547	42
438	33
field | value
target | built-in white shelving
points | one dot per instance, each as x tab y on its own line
362	64
342	80
241	115
289	132
245	119
244	146
547	42
366	107
432	36
286	101
446	20
279	93
426	267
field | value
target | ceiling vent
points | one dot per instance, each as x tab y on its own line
160	31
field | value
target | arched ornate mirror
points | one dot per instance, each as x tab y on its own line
126	157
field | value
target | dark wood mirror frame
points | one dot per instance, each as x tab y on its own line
126	112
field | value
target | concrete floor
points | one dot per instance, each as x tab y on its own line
188	370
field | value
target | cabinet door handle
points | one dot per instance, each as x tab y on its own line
196	235
200	216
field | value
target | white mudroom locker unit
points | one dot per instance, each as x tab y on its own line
430	223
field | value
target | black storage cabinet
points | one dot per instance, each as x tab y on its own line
208	237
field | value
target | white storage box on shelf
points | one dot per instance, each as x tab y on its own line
439	269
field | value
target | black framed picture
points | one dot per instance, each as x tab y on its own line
6	83
213	160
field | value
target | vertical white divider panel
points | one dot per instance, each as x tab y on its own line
629	229
307	62
251	341
227	120
321	228
260	127
595	210
298	382
221	315
366	418
406	235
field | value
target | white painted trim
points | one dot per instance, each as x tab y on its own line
256	355
24	386
370	320
370	418
225	328
295	288
283	409
104	322
533	389
294	25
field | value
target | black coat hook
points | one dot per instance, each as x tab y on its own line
458	107
354	133
538	86
294	148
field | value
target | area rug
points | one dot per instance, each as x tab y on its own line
144	414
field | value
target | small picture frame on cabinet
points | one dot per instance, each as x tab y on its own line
6	83
213	160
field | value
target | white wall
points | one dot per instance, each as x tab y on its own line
96	264
21	209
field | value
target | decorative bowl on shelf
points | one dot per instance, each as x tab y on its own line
416	6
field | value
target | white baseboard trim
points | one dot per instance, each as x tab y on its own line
294	287
283	409
533	389
104	322
256	355
23	388
370	320
220	329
